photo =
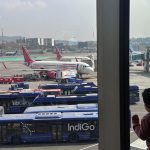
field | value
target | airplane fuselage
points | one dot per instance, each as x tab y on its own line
82	68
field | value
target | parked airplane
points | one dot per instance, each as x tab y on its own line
11	53
81	67
60	57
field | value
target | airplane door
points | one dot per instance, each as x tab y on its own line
79	68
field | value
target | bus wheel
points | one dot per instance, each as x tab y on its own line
73	138
15	140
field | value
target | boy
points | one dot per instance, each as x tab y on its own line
143	130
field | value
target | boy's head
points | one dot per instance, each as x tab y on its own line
146	99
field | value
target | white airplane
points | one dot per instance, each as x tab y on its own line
81	67
136	57
10	53
60	57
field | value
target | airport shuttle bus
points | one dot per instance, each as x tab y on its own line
85	90
70	100
17	101
63	108
48	127
67	89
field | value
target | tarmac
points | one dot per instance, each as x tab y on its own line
137	77
18	67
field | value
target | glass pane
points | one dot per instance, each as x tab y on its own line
139	71
48	57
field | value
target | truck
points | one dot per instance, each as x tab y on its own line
10	79
19	85
63	76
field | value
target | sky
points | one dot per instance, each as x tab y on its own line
64	19
139	18
58	19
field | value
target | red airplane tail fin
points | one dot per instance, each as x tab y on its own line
26	55
58	53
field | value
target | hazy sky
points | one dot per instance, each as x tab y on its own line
140	18
65	19
59	19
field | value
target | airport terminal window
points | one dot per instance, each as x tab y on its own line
139	66
38	39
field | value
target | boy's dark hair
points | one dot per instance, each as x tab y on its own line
146	96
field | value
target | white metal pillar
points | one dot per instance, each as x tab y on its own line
147	59
112	72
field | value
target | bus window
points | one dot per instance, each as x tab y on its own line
3	132
42	127
54	132
59	132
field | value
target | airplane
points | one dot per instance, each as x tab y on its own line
11	53
60	57
89	59
53	66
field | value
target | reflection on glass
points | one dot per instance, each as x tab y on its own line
139	74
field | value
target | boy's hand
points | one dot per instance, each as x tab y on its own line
135	119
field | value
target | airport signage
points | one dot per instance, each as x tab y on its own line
81	127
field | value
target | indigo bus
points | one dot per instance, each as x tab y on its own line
62	108
70	100
48	127
67	89
85	90
16	102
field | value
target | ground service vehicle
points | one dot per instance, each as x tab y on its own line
67	89
70	100
85	90
17	101
62	108
9	80
19	85
62	76
48	127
